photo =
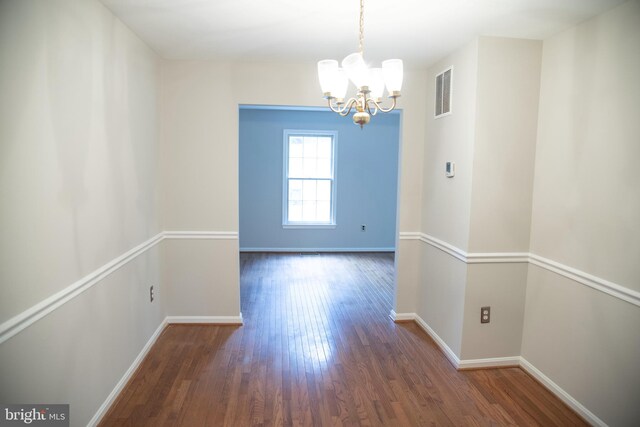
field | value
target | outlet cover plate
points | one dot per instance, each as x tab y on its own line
485	314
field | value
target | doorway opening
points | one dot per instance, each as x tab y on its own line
311	182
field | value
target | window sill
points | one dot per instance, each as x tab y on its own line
309	226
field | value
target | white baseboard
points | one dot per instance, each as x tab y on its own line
296	250
491	362
401	317
451	356
500	362
458	364
104	408
214	320
554	388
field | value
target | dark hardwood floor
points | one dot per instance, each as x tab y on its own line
318	348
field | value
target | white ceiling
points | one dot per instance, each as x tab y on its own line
417	31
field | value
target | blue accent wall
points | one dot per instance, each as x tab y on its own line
366	173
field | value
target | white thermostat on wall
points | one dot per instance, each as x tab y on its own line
450	169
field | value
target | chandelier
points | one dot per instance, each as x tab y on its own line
370	82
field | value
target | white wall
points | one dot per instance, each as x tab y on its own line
586	207
78	184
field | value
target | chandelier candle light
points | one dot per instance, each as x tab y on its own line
370	82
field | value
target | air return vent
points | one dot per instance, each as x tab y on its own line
443	92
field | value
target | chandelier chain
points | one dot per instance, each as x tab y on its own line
361	41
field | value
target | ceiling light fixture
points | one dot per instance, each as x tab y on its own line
370	82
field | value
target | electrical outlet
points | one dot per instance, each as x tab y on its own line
151	293
485	314
363	227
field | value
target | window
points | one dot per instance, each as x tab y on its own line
309	179
443	93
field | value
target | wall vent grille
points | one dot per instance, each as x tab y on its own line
443	93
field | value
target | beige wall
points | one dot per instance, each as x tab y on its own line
586	207
78	184
79	352
78	141
505	136
85	174
199	162
93	128
200	135
586	200
441	293
586	342
201	277
408	268
508	87
554	145
486	207
501	286
446	202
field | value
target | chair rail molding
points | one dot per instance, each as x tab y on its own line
21	321
612	289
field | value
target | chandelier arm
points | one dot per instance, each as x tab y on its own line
343	111
375	106
386	110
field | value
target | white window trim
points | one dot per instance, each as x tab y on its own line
448	113
285	179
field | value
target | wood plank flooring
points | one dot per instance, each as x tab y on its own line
318	349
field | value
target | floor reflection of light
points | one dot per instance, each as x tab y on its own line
321	352
309	348
309	326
